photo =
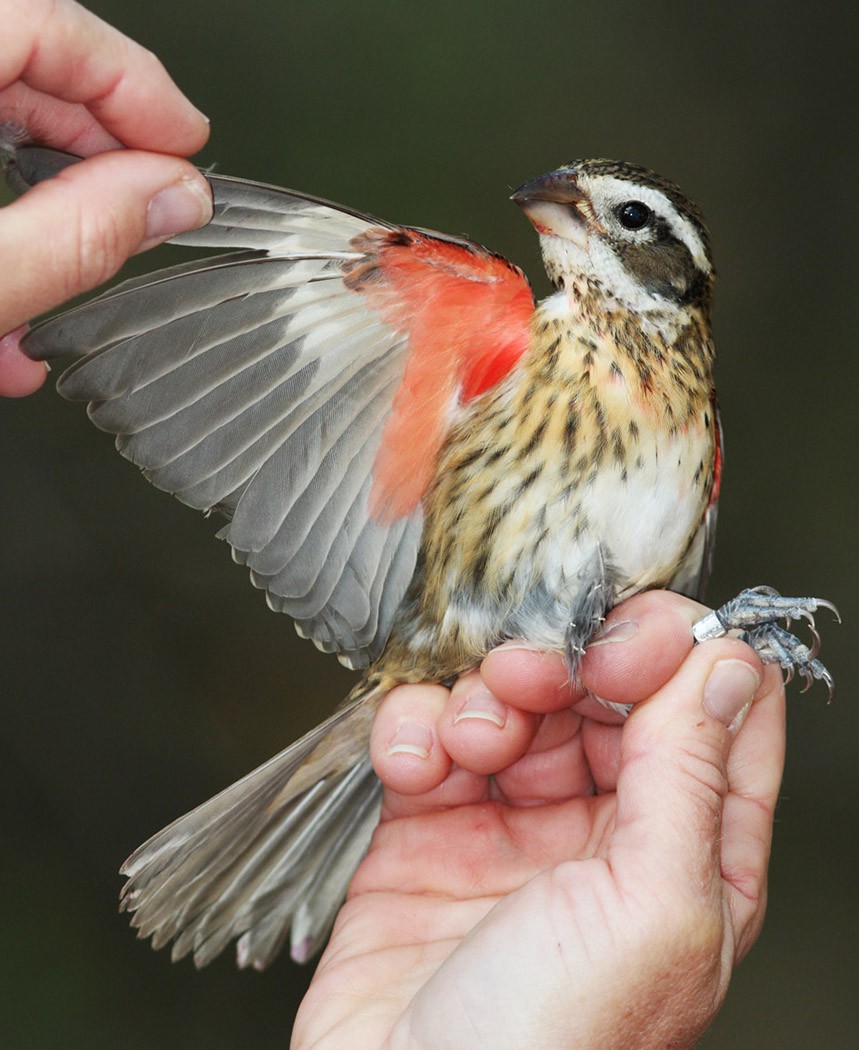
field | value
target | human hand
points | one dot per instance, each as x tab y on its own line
69	80
545	875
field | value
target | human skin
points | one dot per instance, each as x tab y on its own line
548	875
69	80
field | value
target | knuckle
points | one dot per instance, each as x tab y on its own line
100	248
749	880
702	778
694	761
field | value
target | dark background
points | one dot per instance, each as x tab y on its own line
140	672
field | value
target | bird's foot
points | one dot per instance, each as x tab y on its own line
755	614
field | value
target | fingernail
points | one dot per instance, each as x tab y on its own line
616	631
411	738
183	206
482	704
729	692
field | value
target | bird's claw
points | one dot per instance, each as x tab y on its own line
755	614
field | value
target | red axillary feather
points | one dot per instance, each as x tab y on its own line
466	313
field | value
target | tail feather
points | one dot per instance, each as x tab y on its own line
322	892
276	849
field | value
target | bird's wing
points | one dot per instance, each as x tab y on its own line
302	386
694	571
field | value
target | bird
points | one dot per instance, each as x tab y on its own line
416	461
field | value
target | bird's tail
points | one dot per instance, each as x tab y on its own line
275	850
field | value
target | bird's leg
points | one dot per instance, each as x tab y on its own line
597	598
755	614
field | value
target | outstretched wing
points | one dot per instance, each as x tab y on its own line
302	386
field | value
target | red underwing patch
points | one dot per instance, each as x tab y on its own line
466	312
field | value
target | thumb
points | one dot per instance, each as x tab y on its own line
673	777
74	231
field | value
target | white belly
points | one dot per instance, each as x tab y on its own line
645	523
638	527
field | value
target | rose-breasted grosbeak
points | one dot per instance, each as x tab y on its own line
416	463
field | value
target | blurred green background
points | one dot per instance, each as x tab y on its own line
140	672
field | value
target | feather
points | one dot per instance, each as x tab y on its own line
302	386
241	864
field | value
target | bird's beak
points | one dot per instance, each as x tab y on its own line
553	204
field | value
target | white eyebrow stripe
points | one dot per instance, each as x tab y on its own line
680	226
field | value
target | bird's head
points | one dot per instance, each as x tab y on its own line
623	230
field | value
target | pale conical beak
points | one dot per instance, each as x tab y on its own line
551	203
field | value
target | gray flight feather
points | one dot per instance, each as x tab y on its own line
257	384
254	215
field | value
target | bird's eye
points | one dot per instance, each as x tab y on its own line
633	215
